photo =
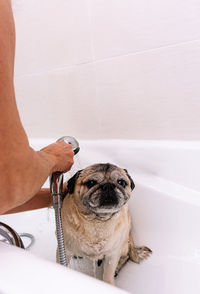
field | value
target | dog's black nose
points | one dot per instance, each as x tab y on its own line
108	187
108	195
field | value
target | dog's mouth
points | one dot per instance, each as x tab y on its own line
107	199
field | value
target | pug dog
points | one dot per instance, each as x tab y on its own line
96	219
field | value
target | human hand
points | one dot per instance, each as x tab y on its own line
60	154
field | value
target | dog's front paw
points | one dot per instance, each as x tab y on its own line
138	254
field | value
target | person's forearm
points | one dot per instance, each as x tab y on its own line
42	199
22	177
22	170
7	35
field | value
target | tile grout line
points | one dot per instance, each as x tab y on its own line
104	59
147	50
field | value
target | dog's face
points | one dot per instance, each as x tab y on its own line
101	188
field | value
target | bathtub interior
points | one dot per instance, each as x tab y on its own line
165	214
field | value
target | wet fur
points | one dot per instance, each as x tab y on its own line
103	236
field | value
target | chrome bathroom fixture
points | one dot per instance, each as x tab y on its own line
10	236
56	189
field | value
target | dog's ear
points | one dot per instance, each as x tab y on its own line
132	183
72	181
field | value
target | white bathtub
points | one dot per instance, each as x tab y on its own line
165	208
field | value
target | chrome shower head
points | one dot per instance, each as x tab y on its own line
56	178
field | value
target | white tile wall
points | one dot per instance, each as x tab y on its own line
61	102
108	68
51	34
127	26
154	95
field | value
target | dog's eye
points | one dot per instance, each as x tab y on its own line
90	183
122	182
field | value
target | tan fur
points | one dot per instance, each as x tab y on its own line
107	237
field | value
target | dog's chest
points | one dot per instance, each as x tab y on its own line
94	239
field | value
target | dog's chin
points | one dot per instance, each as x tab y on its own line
104	209
107	209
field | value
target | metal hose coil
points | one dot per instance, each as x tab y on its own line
60	239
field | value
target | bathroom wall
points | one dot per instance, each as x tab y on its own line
108	68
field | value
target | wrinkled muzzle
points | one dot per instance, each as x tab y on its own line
108	195
106	198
